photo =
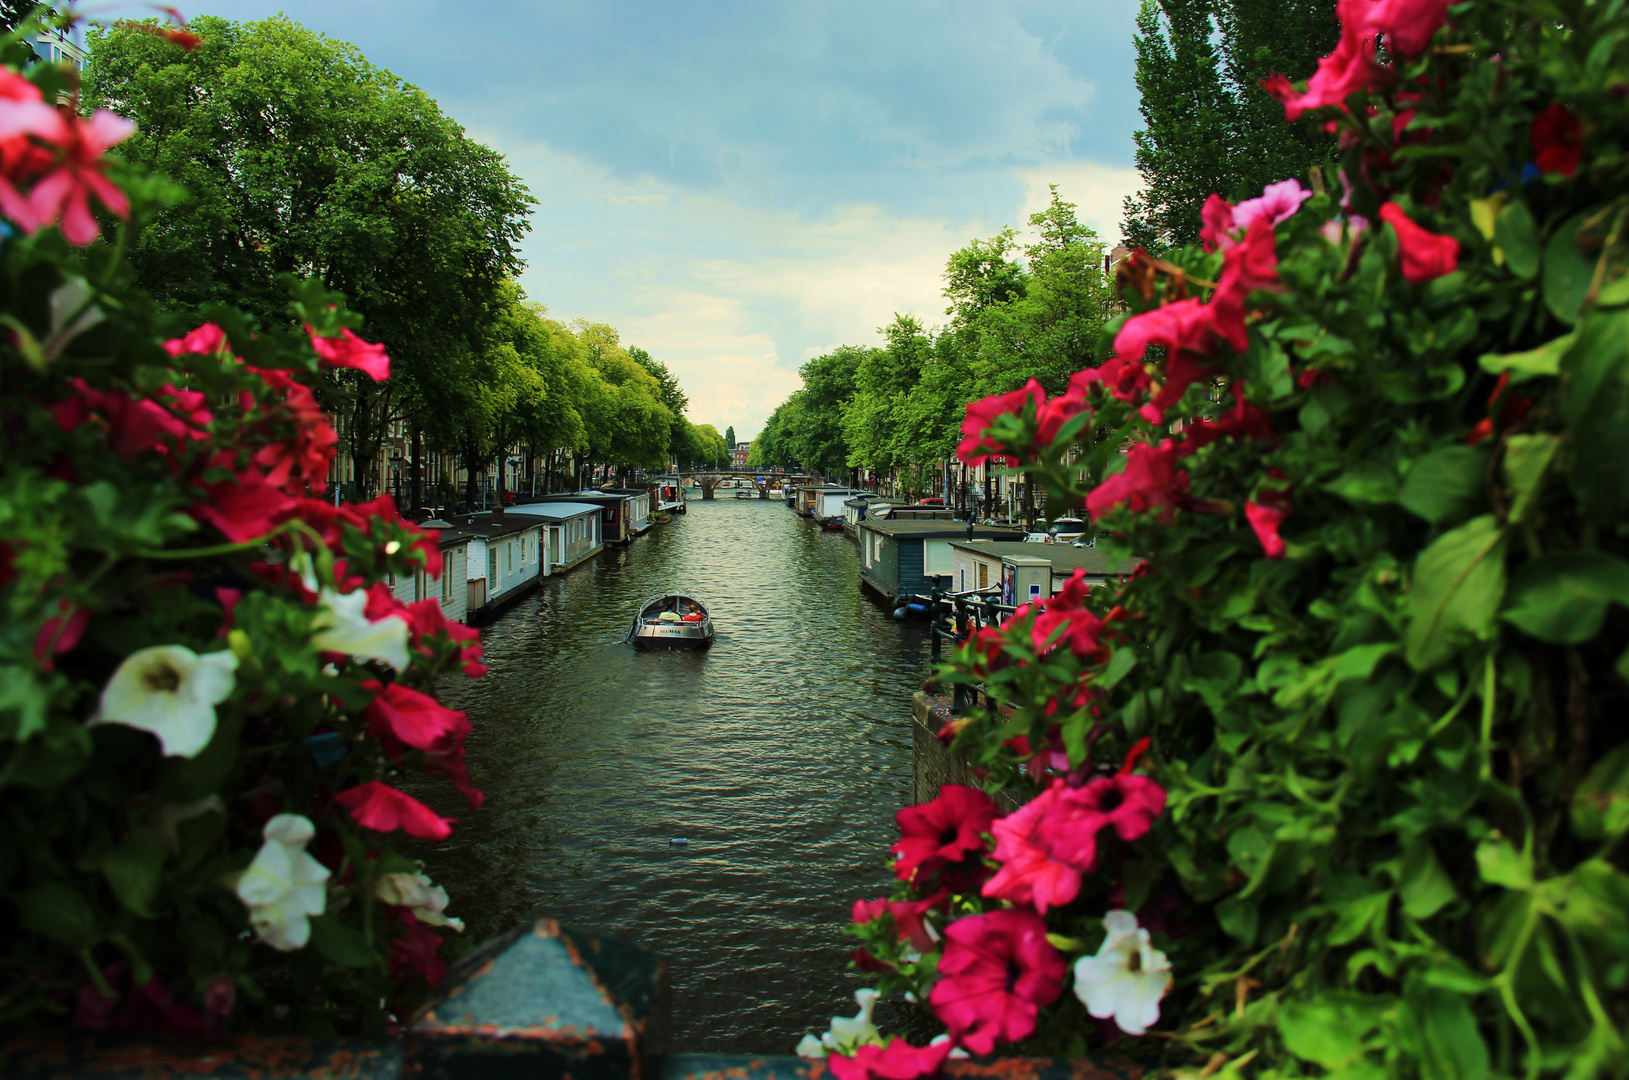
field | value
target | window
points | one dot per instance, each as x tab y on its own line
492	564
509	556
984	575
446	580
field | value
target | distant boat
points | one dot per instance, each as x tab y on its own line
660	623
743	493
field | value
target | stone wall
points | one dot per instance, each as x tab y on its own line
933	763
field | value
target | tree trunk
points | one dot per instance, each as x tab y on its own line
470	462
418	470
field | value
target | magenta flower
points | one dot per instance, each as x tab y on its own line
400	716
382	808
998	969
1150	481
942	834
1030	875
899	1060
1126	801
976	447
1265	517
1063	619
1425	255
1249	265
349	351
64	192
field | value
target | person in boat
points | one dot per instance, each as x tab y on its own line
671	615
694	614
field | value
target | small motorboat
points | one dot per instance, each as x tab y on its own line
743	493
661	623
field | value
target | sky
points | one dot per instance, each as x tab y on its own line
739	187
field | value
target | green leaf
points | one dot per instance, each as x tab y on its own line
1600	806
1595	404
1355	916
1458	583
1517	237
1425	886
340	943
1447	484
59	912
1120	665
1562	598
23	702
1526	459
1454	1049
1500	864
1239	917
1366	482
1568	270
135	870
1329	1030
1544	360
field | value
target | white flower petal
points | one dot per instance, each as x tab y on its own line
1111	986
171	692
342	627
810	1047
284	886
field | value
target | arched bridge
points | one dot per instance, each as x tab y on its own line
709	479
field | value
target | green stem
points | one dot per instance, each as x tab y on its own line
204	552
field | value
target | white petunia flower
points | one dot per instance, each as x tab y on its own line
170	691
1127	977
848	1033
284	886
342	627
427	901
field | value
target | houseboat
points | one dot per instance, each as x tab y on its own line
503	561
857	509
573	532
812	500
915	512
637	512
828	506
669	497
623	515
451	590
907	558
1028	571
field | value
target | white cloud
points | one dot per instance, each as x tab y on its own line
1098	191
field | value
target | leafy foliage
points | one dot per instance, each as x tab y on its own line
1368	450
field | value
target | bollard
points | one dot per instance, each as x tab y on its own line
545	1001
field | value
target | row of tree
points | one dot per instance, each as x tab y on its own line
1036	310
1017	311
293	155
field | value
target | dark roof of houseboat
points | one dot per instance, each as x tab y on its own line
1065	558
937	530
483	527
599	498
555	511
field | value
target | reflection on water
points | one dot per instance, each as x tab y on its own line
780	756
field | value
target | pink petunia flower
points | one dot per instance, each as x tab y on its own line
206	340
1150	481
60	633
1265	516
1030	875
943	833
1126	801
1247	266
899	1060
1277	203
1425	255
997	970
382	808
349	351
63	194
1063	619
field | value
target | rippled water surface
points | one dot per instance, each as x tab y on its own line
780	755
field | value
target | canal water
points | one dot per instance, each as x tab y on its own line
779	756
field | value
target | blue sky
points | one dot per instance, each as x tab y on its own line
739	187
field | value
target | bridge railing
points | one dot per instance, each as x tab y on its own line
542	1002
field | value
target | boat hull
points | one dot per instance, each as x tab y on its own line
672	637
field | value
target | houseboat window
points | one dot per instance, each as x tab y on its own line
509	556
984	575
446	581
418	584
492	564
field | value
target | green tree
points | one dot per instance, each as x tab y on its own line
1209	126
627	424
300	156
1182	151
814	428
729	437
